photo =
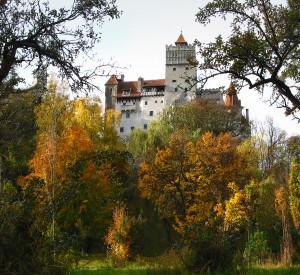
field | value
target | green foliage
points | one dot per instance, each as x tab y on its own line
293	145
266	216
17	131
294	198
201	116
256	249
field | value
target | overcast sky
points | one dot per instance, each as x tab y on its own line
138	39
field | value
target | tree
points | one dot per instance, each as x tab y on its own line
17	131
34	34
118	238
271	143
191	183
262	50
294	194
201	116
77	172
283	212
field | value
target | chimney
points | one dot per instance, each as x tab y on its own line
247	115
140	84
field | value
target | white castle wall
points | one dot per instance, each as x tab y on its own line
139	113
178	71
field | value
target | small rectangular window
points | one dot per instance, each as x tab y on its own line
132	128
174	80
145	126
155	101
151	113
186	68
126	92
162	101
127	115
121	129
176	89
174	69
146	103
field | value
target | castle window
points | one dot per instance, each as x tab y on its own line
174	69
155	101
186	68
121	129
127	115
162	101
151	113
146	103
174	80
145	126
176	89
126	92
132	128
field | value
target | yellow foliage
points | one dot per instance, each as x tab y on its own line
198	183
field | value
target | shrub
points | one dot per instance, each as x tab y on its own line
256	250
118	238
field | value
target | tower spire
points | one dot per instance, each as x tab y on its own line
180	40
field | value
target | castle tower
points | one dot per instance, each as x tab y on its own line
181	72
231	98
111	89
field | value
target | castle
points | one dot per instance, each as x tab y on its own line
140	102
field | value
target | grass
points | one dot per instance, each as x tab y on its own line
275	270
97	264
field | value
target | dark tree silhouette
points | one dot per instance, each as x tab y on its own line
34	34
262	50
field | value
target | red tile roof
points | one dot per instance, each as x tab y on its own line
112	80
154	83
180	40
132	86
231	98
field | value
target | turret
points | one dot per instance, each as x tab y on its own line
111	89
231	98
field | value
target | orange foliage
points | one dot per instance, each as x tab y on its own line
71	171
188	181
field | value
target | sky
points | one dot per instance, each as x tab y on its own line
137	41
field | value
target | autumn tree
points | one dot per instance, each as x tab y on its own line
35	34
293	147
195	118
282	208
261	51
294	194
76	173
118	238
192	183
